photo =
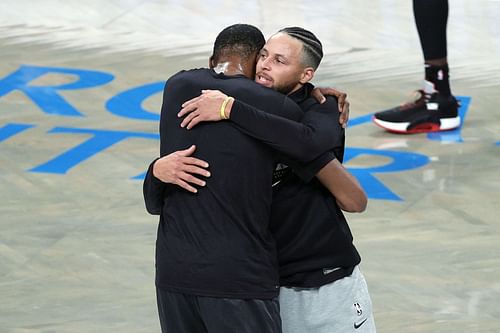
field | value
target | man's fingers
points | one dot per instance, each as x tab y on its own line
187	109
330	92
344	116
341	106
346	106
188	178
186	186
318	95
192	169
187	152
188	119
194	121
191	101
212	93
195	161
333	92
341	98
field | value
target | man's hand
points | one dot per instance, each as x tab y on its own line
205	107
320	93
178	168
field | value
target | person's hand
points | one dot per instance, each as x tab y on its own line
179	168
320	93
205	107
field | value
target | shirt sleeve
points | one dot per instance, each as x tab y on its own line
308	171
303	141
153	190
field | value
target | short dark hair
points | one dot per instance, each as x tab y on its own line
312	50
243	40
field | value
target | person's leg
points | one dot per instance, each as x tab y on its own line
178	313
431	18
342	306
225	315
434	109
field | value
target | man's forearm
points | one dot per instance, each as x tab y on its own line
343	186
302	141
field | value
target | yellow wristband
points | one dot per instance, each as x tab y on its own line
223	107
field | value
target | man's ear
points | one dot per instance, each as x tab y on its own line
307	75
211	62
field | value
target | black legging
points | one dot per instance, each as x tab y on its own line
431	17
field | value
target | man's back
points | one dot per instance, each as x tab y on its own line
217	242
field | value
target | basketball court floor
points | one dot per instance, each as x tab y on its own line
80	85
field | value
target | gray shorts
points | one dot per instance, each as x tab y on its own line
342	306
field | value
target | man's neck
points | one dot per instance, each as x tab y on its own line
228	68
233	66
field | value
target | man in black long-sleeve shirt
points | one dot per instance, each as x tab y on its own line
324	290
216	263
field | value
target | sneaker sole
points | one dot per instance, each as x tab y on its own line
402	128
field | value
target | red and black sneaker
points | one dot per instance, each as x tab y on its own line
429	112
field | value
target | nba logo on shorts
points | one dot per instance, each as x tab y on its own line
359	311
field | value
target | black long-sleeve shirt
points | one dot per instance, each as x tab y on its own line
217	242
315	244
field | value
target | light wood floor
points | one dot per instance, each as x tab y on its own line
76	244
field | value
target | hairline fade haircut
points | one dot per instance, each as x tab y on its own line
312	49
243	40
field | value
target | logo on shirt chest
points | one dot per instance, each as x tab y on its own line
279	173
